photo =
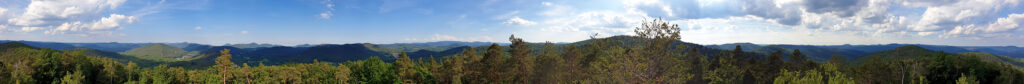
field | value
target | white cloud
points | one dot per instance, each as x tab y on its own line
923	18
1013	21
29	29
114	21
1003	27
198	28
518	22
659	8
546	3
244	32
75	17
49	12
3	11
326	15
604	22
3	15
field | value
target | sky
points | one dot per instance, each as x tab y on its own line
293	22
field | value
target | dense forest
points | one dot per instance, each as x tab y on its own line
650	57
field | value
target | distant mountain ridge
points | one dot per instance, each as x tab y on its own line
851	51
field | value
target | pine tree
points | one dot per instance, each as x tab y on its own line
521	60
699	62
454	69
797	60
224	65
493	62
551	67
769	69
406	69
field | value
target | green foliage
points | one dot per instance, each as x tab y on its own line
965	79
726	72
73	78
373	71
796	77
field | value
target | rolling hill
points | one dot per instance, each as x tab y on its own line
900	53
157	51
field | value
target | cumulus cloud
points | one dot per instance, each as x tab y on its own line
961	13
977	19
198	28
1011	22
659	8
114	21
48	12
518	22
780	11
1003	27
75	17
843	8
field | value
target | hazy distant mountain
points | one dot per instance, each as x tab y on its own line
856	50
745	46
109	47
51	45
252	45
433	46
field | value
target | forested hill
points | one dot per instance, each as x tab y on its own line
605	60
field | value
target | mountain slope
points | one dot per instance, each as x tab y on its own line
157	51
994	58
900	53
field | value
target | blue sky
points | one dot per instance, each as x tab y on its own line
291	22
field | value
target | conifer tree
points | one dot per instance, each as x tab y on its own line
224	65
797	60
522	62
406	69
493	64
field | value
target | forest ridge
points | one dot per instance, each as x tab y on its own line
654	56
